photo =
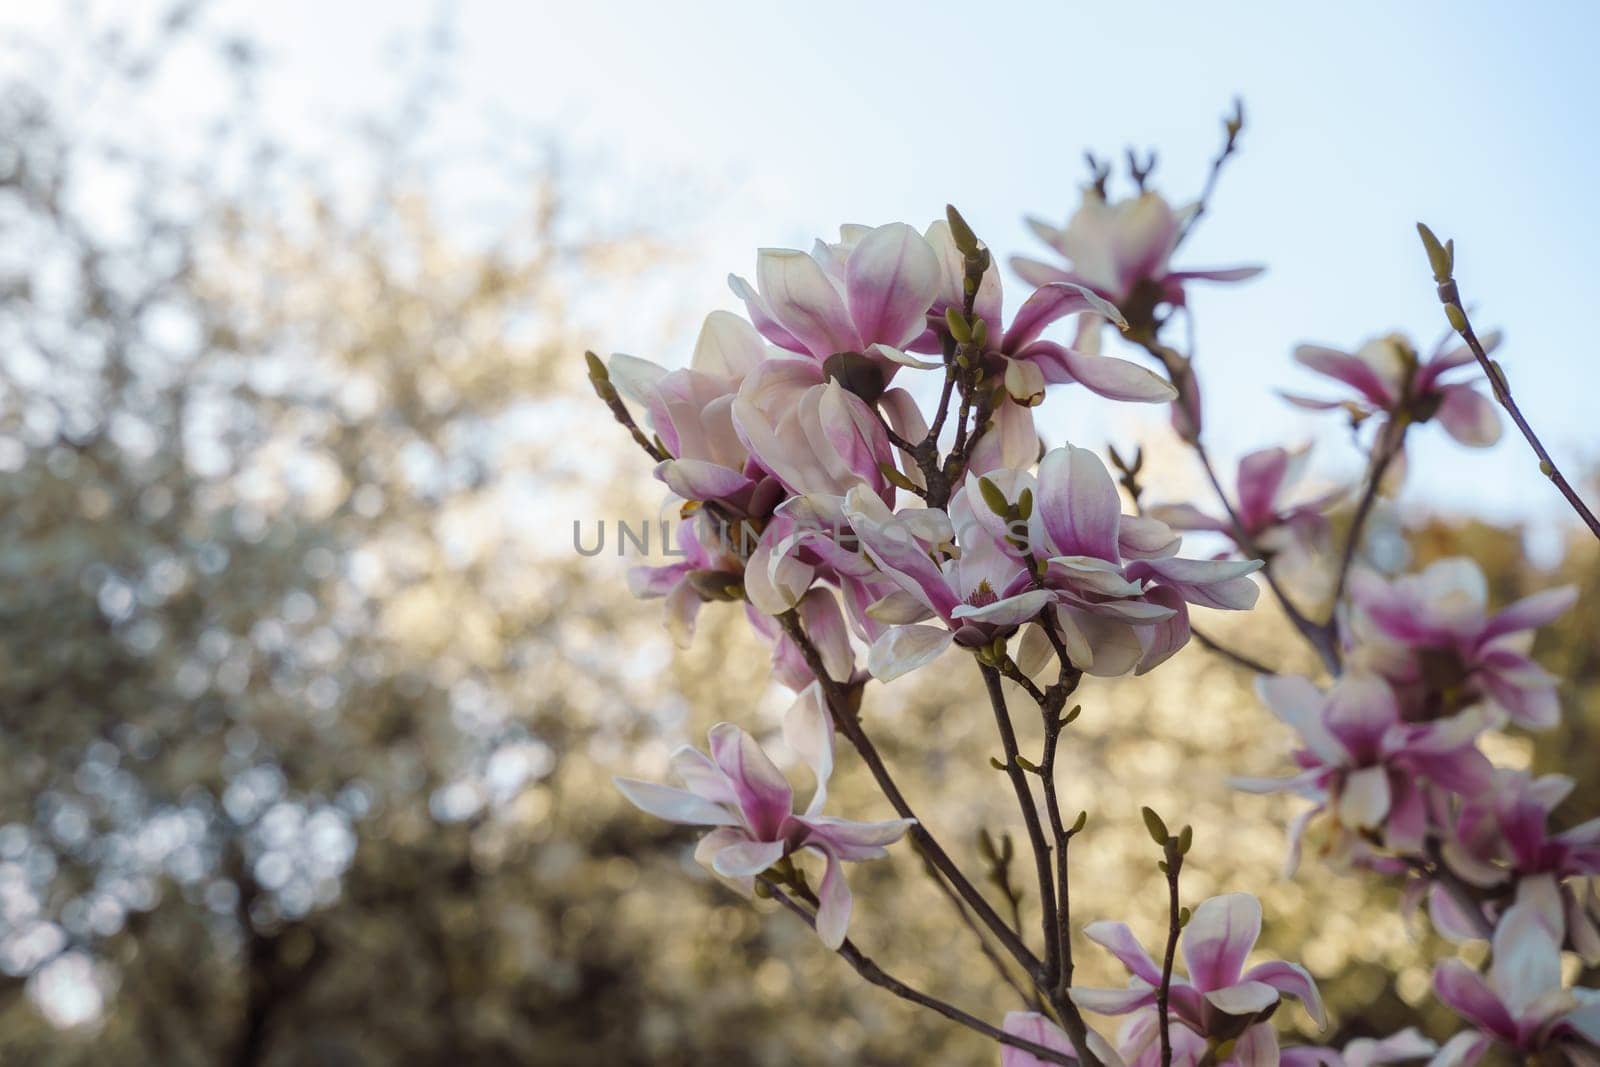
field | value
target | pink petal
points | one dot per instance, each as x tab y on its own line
1464	990
761	315
1218	274
1011	444
1113	1001
702	777
695	479
1210	583
833	903
805	303
824	622
1031	1026
747	859
1359	710
1035	273
1346	368
1163	638
763	791
856	841
1469	416
1010	611
1530	613
673	805
1118	939
1220	934
1261	476
1463	1050
1257	1047
890	279
1292	980
728	347
1077	508
1049	303
808	731
903	649
1107	376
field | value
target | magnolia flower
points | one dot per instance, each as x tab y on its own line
810	433
1387	375
1218	998
1408	1044
868	294
699	574
691	411
1522	1005
1431	636
824	624
1019	354
977	592
1122	251
1363	764
740	792
1120	594
1503	832
1267	520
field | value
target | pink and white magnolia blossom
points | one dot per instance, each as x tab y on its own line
1408	1044
742	795
1122	250
817	438
1502	834
1522	1005
868	294
1218	998
1431	635
1267	519
1041	1030
1019	353
691	412
1120	593
1363	765
944	567
685	583
1388	378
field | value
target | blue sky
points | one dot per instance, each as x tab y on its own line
769	124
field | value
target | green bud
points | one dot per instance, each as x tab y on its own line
895	478
993	497
960	232
1081	821
1184	915
986	846
1457	317
1153	823
597	369
1546	469
1025	505
1439	258
980	334
1161	865
1028	765
1072	716
1185	839
960	329
994	762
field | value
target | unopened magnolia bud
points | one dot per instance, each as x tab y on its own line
1438	257
960	232
1153	823
957	323
1457	317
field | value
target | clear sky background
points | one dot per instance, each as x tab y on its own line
769	124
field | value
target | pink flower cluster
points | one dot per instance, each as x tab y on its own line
867	535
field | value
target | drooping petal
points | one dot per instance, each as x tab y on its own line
673	805
1219	936
833	903
1469	416
1530	613
1011	444
1107	376
824	624
1293	980
1031	1026
1346	368
1047	304
903	649
891	277
1223	584
1114	1001
1118	939
745	859
695	479
855	841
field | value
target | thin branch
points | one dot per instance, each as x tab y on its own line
1030	814
1247	662
875	974
1442	259
1231	127
845	719
1390	441
1174	864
